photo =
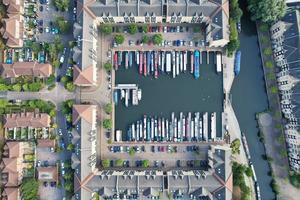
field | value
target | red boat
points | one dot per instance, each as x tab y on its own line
145	64
141	63
116	61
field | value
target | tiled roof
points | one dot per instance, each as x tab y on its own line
84	77
84	112
13	149
29	119
47	173
45	143
25	69
11	194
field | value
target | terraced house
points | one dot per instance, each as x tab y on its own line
285	41
13	25
212	16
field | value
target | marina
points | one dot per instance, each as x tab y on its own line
160	97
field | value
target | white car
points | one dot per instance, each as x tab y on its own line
47	30
62	59
62	164
74	10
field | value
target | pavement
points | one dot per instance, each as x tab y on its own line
279	165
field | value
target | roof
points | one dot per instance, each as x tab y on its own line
10	165
26	69
47	173
13	27
215	182
11	194
84	112
83	77
12	30
45	143
13	149
29	119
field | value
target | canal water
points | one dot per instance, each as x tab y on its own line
162	96
249	97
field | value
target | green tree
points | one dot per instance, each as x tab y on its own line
119	163
267	51
68	186
119	38
3	103
235	146
3	87
25	87
157	39
132	29
50	79
53	113
70	86
267	10
196	29
70	147
145	163
36	47
29	189
35	87
106	29
145	28
108	108
249	172
131	151
108	66
63	25
17	87
105	163
235	11
107	124
68	175
64	79
62	5
145	39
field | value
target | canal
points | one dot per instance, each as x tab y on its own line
249	97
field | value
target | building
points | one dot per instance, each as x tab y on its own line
48	174
212	15
285	42
11	194
13	26
84	138
46	143
17	69
11	165
28	119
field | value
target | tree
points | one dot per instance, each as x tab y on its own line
235	11
145	163
157	39
35	87
36	47
70	147
70	86
145	39
132	29
119	38
68	186
3	87
106	29
131	151
145	28
108	66
249	172
17	87
3	103
54	125
108	108
62	24
68	175
267	10
29	189
105	163
119	163
107	124
235	146
50	79
62	5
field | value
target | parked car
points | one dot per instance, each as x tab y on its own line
45	184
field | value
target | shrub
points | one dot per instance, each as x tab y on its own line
235	146
119	163
269	64
157	39
108	66
108	108
267	51
107	124
106	29
145	39
119	39
105	163
132	29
